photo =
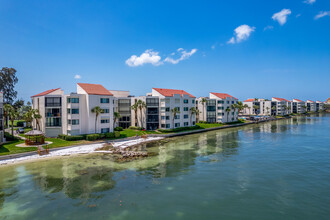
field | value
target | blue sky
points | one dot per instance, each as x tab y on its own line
50	42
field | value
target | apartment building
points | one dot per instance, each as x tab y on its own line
214	109
259	107
319	106
311	106
298	106
158	110
72	114
123	102
283	106
1	119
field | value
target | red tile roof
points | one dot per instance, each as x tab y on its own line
222	95
281	99
310	101
171	92
94	89
249	100
45	92
298	100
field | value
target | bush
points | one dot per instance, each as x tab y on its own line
92	137
62	136
74	138
10	137
110	135
136	128
20	124
118	129
117	134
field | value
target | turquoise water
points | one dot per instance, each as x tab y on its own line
277	170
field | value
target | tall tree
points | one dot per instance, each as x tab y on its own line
116	116
6	109
97	110
228	111
174	111
36	115
193	111
12	116
8	81
135	108
142	105
18	104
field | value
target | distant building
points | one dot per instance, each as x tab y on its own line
319	106
328	100
298	106
259	107
215	108
311	106
283	106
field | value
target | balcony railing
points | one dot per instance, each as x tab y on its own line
49	115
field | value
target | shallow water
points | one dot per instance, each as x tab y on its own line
277	170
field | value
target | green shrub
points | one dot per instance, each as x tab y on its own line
118	129
135	128
92	137
117	134
74	138
20	124
102	135
61	136
10	137
110	135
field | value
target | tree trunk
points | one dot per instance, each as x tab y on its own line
12	128
95	123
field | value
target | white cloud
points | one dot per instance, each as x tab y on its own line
298	15
322	14
310	2
184	55
242	32
77	76
269	27
281	16
149	56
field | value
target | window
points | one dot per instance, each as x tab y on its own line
167	109
105	121
220	108
219	114
73	100
227	102
69	122
193	101
185	116
177	117
163	117
52	101
185	124
69	111
185	109
168	125
162	109
104	100
105	110
75	122
177	125
163	125
75	111
105	130
178	108
185	101
167	117
193	122
220	102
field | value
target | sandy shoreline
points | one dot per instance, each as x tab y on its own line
76	150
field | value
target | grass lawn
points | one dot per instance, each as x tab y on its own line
131	133
211	125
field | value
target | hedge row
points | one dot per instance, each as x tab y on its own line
180	129
136	128
90	137
10	137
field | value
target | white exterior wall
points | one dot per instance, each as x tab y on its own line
300	108
312	105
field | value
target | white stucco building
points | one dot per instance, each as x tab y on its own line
311	106
319	106
283	106
259	107
214	109
72	114
298	106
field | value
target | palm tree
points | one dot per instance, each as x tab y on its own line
245	106
249	110
135	108
28	117
175	111
193	111
304	107
97	110
6	109
267	110
116	116
274	108
141	106
36	116
256	107
197	115
203	101
288	109
12	114
240	107
228	111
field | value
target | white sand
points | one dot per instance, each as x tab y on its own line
85	149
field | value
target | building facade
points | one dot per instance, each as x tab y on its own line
217	108
298	106
260	107
319	106
311	106
72	114
283	106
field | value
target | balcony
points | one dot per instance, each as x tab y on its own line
53	115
